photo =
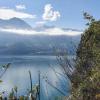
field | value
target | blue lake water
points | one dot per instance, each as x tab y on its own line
17	75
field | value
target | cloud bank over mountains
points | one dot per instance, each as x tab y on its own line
13	22
19	38
19	26
50	31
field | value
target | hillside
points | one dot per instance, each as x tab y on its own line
15	23
34	44
86	78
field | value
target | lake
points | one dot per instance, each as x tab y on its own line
17	75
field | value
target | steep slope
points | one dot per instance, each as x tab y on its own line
86	83
14	23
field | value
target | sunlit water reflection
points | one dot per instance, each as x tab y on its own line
17	75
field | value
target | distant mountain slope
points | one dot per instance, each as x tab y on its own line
14	23
12	43
35	44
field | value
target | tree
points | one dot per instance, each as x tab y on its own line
86	77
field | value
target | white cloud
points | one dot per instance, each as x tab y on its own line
59	31
20	7
6	13
40	23
49	31
49	14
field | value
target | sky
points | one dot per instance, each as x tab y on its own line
59	13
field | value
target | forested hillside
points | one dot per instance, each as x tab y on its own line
86	78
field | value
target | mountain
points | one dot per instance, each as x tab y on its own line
15	23
35	44
17	44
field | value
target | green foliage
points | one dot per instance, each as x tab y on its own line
0	81
11	95
86	78
21	98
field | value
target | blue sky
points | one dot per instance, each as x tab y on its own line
64	13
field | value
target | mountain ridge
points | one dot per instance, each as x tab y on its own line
19	44
15	23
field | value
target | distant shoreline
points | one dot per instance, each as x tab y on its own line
33	55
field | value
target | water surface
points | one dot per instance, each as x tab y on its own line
17	75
